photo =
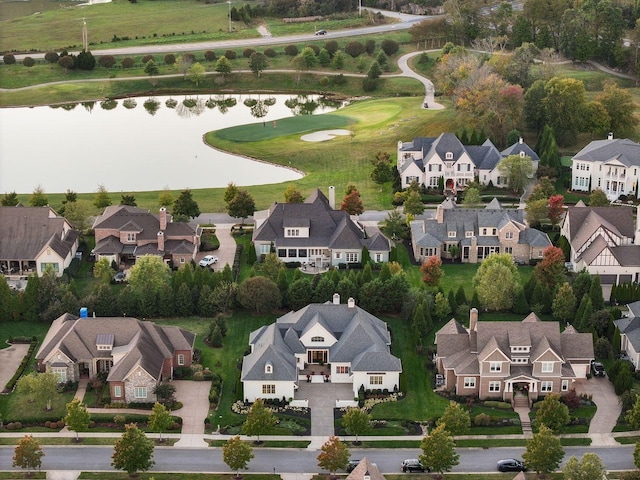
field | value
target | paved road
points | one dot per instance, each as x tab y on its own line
172	459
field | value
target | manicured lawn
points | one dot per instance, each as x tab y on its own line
21	329
18	407
173	476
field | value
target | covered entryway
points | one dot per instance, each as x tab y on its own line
317	356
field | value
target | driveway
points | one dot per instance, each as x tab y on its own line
195	408
10	359
605	398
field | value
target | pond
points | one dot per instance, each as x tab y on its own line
139	144
10	9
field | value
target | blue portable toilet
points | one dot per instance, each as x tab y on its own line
84	312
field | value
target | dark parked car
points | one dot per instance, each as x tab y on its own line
511	465
351	465
119	277
321	32
413	465
597	369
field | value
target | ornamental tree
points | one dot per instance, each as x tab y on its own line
259	294
356	421
550	270
293	195
497	281
395	225
597	198
413	204
78	417
352	203
133	451
334	455
241	205
259	420
432	271
556	209
185	206
28	454
455	419
590	467
439	451
544	451
517	169
553	413
564	303
159	419
237	454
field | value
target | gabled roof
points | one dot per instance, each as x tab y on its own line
328	228
365	468
520	147
145	224
585	221
362	340
26	231
625	151
136	342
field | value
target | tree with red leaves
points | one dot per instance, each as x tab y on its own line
556	209
352	203
432	271
550	270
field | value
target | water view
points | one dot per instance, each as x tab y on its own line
138	144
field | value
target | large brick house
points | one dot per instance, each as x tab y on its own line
477	233
491	360
124	233
133	355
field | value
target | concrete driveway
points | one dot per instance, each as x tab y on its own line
10	359
195	408
608	411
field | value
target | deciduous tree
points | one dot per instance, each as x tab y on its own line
536	211
223	66
237	454
78	213
77	417
334	455
196	73
101	199
293	195
413	204
556	209
185	206
356	421
550	270
159	419
553	413
456	419
517	169
432	271
544	451
471	197
497	282
564	303
28	454
597	198
241	205
259	294
41	387
619	104
564	103
257	63
589	468
259	420
439	450
395	225
133	451
38	197
352	203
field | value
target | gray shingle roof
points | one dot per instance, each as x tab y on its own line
363	340
143	343
328	228
584	221
623	150
27	230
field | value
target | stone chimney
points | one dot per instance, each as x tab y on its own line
163	219
610	136
161	241
336	299
440	214
351	303
473	319
332	197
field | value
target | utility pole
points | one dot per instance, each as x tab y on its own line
85	36
229	2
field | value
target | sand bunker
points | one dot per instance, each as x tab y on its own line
323	135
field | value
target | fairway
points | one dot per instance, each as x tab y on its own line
287	126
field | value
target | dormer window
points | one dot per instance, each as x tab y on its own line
268	368
468	234
448	156
131	237
522	155
452	234
293	232
317	339
104	341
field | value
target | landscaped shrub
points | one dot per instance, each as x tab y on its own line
247	52
9	59
230	54
85	61
332	47
370	46
369	84
389	46
169	59
51	57
189	58
291	50
107	61
354	49
21	368
315	48
127	62
146	58
497	404
339	79
209	55
270	52
482	420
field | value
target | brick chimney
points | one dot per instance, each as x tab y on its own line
440	214
161	241
163	219
473	319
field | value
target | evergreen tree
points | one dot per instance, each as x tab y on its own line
419	322
582	284
475	301
521	306
529	287
461	298
595	293
451	298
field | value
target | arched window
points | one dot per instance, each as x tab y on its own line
268	368
317	339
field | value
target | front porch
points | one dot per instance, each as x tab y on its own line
315	373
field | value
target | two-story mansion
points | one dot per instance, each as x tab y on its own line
426	159
611	165
315	232
476	233
495	359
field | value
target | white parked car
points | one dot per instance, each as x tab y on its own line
208	260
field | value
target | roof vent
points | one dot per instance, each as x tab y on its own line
610	136
351	303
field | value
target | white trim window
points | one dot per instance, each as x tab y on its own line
117	391
375	380
494	386
60	373
265	248
495	366
469	382
546	386
351	257
546	367
180	359
565	385
140	392
268	389
342	369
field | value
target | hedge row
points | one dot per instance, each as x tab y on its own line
23	365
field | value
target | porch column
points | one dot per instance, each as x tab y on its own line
533	387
